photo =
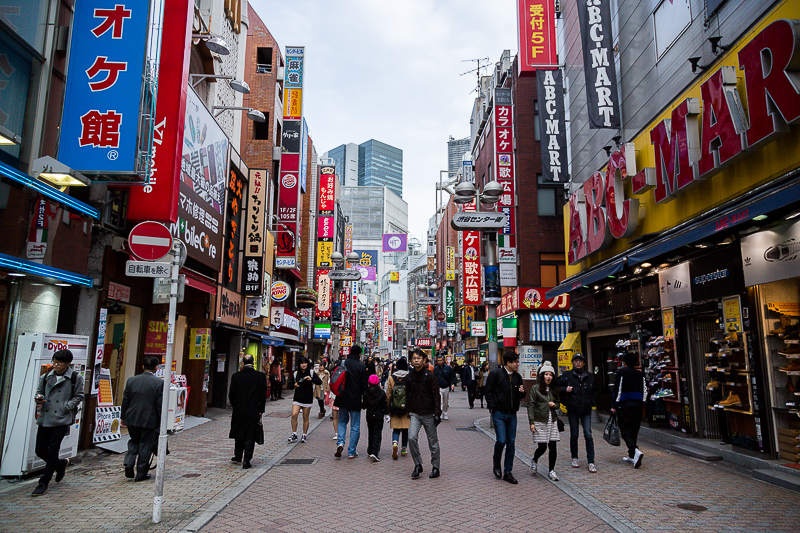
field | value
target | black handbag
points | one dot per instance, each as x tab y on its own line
611	431
259	433
559	422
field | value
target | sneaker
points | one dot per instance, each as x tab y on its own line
394	451
292	438
352	456
637	458
626	459
374	458
553	476
445	417
335	436
403	452
339	449
303	438
575	462
534	468
592	468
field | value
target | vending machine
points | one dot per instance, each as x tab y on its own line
33	358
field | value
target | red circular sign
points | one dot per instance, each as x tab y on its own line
149	241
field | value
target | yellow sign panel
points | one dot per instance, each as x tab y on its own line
200	343
451	258
292	103
394	276
668	322
431	263
732	312
450	275
324	251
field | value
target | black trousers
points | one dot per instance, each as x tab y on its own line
471	394
141	446
629	417
48	444
243	448
375	429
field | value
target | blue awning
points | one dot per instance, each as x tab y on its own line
588	277
17	264
548	327
266	340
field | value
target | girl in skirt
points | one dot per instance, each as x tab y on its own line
543	416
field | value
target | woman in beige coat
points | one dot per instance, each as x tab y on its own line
321	391
400	419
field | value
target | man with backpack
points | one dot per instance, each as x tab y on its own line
348	400
424	405
397	394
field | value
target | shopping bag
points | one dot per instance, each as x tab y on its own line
560	424
611	431
259	433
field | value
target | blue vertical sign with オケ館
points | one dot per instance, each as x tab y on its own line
100	122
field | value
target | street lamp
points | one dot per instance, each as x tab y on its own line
336	274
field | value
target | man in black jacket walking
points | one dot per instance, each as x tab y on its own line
248	397
468	379
503	392
425	409
141	412
349	403
578	393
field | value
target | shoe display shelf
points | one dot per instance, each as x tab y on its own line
661	370
727	369
783	347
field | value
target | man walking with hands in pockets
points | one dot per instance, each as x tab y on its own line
503	392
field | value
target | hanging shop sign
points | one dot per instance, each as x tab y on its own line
237	188
732	313
324	293
716	274
103	96
529	298
552	125
771	255
503	118
395	242
598	64
280	291
230	307
674	285
712	126
471	264
536	29
254	233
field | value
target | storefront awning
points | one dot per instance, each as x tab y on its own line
266	340
548	327
588	277
572	342
17	264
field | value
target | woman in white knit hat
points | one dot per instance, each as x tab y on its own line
543	408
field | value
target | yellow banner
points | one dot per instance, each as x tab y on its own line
200	343
324	251
292	103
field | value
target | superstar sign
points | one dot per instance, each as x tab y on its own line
100	122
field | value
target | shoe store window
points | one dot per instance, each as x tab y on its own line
779	305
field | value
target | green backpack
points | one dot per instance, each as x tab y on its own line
398	404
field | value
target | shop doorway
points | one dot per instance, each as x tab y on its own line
700	330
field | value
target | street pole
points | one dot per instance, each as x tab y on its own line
158	498
491	305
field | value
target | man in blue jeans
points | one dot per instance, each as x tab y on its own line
349	403
578	394
503	391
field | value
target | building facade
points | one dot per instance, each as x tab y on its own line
380	164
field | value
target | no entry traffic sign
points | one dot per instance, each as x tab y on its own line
149	241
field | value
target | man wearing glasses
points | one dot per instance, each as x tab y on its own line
59	394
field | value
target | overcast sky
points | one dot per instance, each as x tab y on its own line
391	71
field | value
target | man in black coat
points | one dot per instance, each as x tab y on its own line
468	380
141	412
504	390
349	403
248	397
578	394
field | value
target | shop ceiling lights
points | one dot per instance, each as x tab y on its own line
57	174
759	218
7	137
49	191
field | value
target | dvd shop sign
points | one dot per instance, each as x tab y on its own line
700	137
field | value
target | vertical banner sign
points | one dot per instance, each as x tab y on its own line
204	171
326	204
348	239
100	120
354	286
536	24
237	187
552	125
385	326
99	351
254	233
450	309
324	293
450	264
599	70
289	178
471	263
158	198
504	162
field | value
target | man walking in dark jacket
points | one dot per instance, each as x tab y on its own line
578	393
248	397
425	410
349	403
630	390
468	380
141	412
446	378
503	392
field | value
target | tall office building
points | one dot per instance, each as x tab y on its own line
346	158
380	164
455	149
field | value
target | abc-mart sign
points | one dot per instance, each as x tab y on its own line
700	137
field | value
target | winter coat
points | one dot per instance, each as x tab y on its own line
397	421
248	397
468	375
538	404
445	376
630	387
354	386
375	402
304	388
422	393
581	399
502	390
62	396
141	401
323	388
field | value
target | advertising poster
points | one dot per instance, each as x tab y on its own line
155	338
105	395
106	424
732	312
200	345
530	359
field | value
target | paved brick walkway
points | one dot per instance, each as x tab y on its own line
204	490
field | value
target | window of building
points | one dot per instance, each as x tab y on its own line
546	201
552	269
537	134
263	60
261	129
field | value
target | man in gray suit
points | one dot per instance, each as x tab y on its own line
141	412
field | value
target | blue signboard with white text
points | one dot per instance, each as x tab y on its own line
100	122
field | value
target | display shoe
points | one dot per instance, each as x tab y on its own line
712	385
732	400
790	350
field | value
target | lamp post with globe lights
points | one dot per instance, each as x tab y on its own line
339	275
